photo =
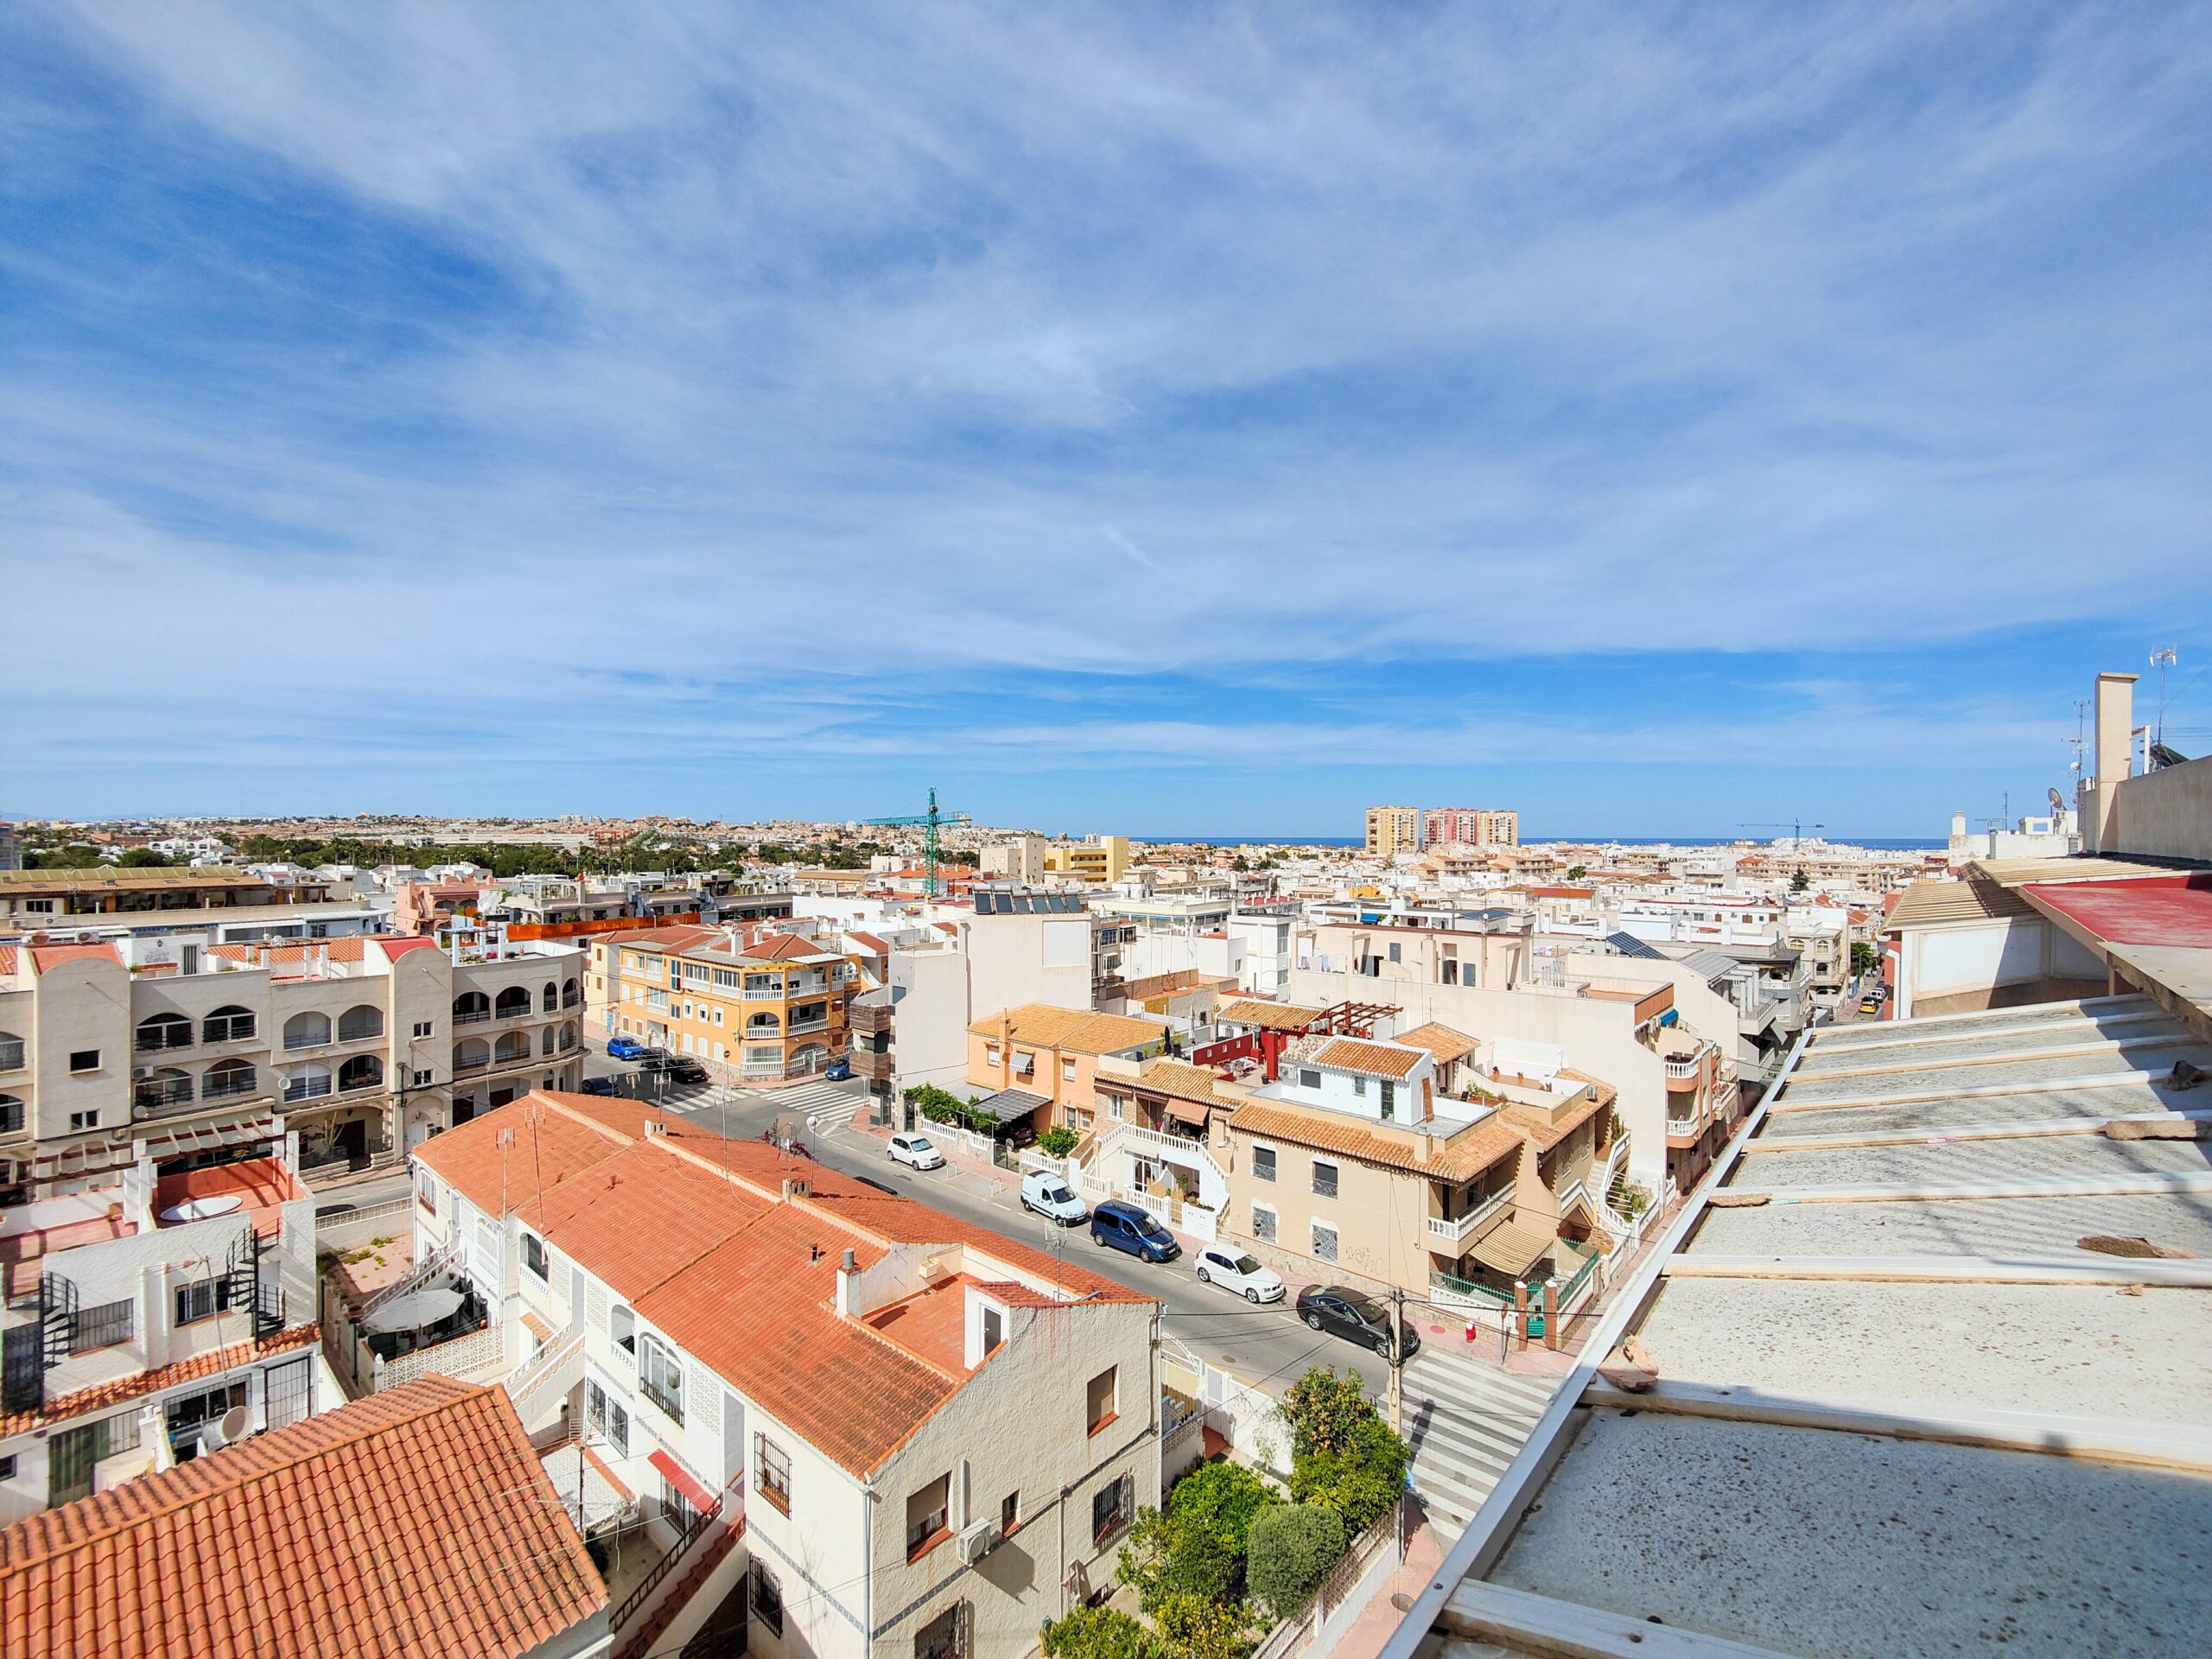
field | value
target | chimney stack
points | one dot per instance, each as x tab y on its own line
2114	746
847	1273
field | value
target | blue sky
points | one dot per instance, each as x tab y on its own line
1159	419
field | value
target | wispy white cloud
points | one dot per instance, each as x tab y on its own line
819	350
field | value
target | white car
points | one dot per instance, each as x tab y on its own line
1248	1275
916	1149
1048	1195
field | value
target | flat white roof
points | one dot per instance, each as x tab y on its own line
1918	1392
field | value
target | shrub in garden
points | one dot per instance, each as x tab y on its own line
1290	1551
1098	1633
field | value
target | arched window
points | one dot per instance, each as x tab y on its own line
470	1007
225	1078
570	993
568	1036
359	1021
763	1024
307	1030
11	1051
515	1045
514	1000
471	1056
545	1041
549	1000
160	1031
167	1087
362	1072
306	1082
11	1113
229	1024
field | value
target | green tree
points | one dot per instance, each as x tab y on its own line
1197	1627
1800	881
1097	1633
1056	1141
1323	1409
75	857
934	1104
1576	872
1166	1557
1220	1499
1293	1547
145	858
1359	1484
1863	958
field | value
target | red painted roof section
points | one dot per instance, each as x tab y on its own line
416	1522
400	947
45	957
2157	909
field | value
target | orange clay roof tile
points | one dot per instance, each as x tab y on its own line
415	1521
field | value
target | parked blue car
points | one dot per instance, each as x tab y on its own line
624	1048
598	1085
1125	1227
838	1070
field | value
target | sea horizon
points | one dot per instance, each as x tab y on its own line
1879	844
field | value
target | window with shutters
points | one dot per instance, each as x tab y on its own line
1264	1163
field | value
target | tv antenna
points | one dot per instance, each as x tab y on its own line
2162	658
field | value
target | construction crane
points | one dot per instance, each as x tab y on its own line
929	822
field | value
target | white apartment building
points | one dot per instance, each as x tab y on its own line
152	1318
357	1046
934	1437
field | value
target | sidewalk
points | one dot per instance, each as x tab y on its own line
1424	1555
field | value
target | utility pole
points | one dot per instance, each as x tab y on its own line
1398	1358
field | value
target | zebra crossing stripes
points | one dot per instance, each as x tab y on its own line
1466	1421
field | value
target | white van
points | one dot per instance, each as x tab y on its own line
1048	1195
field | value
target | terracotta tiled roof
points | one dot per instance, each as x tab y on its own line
903	1221
637	1218
1077	1030
852	1395
786	947
413	1521
1268	1016
214	1363
869	942
47	957
7	958
1383	1059
1445	1044
1177	1078
1467	1154
556	1137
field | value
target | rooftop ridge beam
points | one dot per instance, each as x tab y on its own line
2118	1045
2018	1129
2185	1446
1979	1091
2137	1017
2143	1183
1526	1623
2084	1267
1833	1033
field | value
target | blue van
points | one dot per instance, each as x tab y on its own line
1128	1228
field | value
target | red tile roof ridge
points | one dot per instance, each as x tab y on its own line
186	1484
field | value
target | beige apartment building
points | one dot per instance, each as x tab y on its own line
361	1047
773	1009
1041	1064
1101	859
1393	830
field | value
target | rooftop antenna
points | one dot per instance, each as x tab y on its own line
2162	658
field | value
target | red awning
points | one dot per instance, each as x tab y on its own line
680	1477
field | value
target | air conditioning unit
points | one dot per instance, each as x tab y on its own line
977	1540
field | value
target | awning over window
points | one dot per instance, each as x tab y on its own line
680	1477
1510	1249
1007	1105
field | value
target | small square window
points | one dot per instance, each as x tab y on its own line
85	1120
1264	1163
1324	1241
84	1059
1263	1224
1309	1079
1100	1401
422	1027
1009	1513
8	1470
422	1079
1359	1087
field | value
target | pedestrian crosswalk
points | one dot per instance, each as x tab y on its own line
1466	1421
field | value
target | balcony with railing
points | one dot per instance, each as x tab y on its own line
1455	1232
162	1094
299	1089
471	1016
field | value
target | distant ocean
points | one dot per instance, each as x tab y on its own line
1882	844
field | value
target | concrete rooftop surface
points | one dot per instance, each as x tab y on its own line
1930	1372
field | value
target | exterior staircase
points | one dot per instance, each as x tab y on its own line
699	1552
548	1377
418	1276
